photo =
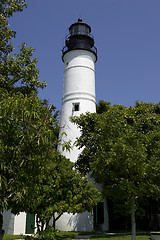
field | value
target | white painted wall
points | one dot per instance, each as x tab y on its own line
8	222
77	222
78	87
14	224
20	223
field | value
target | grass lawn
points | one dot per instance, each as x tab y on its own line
10	237
70	236
121	237
64	235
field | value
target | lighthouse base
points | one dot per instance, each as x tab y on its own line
76	222
85	222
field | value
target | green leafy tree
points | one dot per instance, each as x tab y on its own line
25	133
34	177
7	8
61	189
27	143
122	150
18	72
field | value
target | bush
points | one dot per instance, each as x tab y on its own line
48	234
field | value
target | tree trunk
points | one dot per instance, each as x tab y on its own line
42	225
55	219
1	225
47	222
133	220
54	223
2	234
37	222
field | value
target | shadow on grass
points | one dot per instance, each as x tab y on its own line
121	237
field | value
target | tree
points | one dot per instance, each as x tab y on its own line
122	150
7	8
24	130
31	168
61	189
18	72
27	143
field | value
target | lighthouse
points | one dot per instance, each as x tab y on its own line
79	56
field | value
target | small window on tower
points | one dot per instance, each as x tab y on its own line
76	107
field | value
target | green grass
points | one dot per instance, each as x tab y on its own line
10	237
64	235
121	237
67	235
71	235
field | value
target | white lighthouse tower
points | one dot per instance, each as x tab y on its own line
79	56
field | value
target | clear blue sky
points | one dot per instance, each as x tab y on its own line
127	35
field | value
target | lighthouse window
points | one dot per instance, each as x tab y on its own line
75	107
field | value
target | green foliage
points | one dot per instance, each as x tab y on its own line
102	106
18	72
7	8
48	234
20	115
121	147
26	144
34	177
27	136
51	234
60	189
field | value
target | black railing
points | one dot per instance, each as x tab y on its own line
93	49
79	33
